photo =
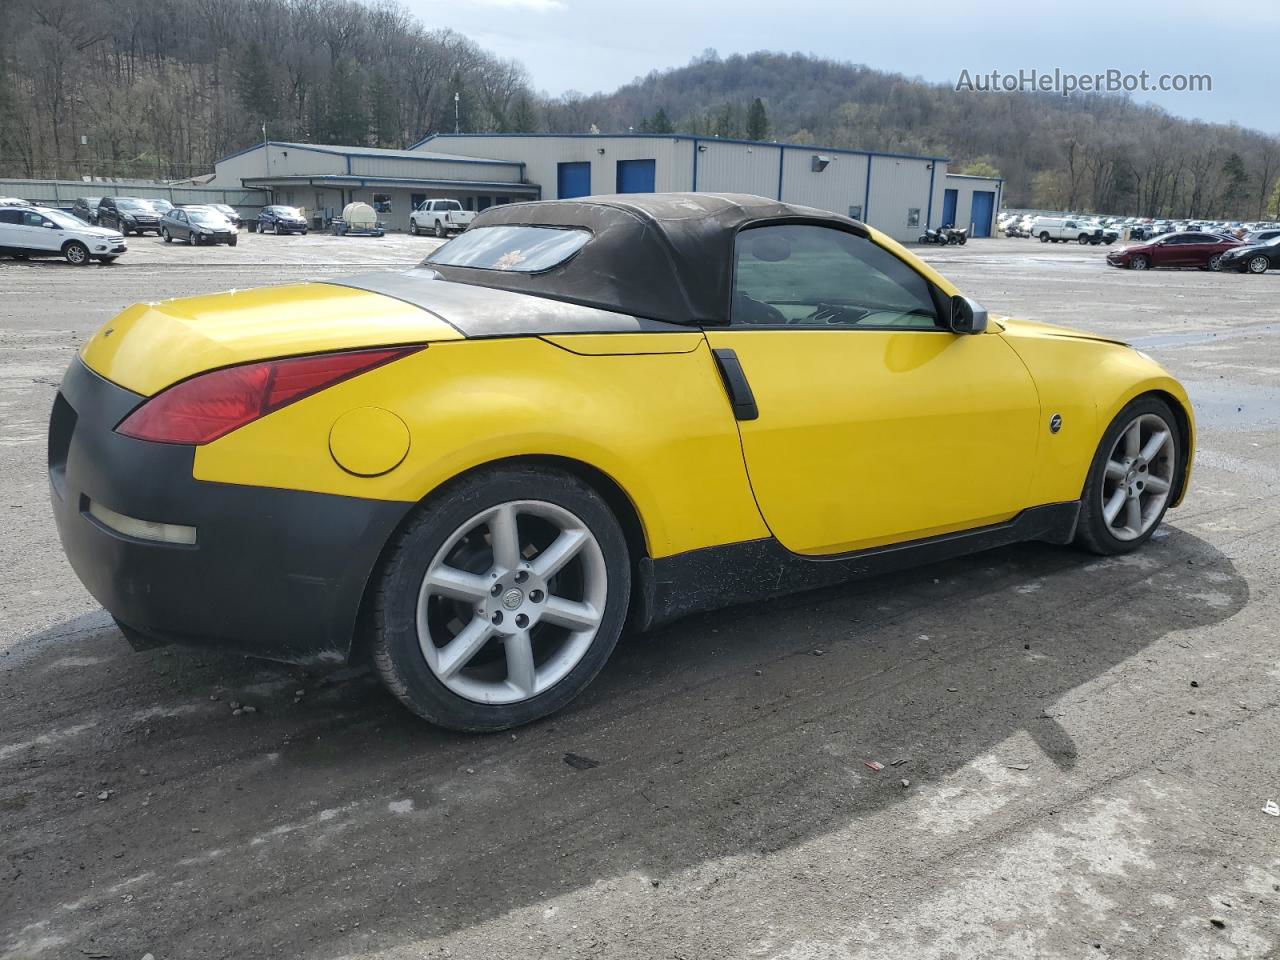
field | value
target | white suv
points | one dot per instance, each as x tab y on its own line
441	217
27	231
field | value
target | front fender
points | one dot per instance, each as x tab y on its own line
1087	382
659	424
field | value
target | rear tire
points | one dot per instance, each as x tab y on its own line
512	666
233	241
1258	265
1044	237
1126	471
440	231
1215	262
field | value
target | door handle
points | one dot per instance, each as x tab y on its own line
741	398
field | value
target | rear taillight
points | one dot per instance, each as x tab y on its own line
211	405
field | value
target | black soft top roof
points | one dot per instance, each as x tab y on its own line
661	256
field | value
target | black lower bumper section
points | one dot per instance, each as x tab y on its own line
759	569
273	573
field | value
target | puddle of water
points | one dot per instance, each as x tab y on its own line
1234	406
1158	340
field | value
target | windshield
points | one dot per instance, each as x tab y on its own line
128	203
206	218
287	212
223	208
1273	242
63	219
515	249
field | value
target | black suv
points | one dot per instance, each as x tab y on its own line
128	215
86	209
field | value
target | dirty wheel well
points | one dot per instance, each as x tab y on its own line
623	509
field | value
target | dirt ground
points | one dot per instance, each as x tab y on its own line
1077	752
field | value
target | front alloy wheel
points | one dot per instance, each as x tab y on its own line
502	599
1139	263
1134	474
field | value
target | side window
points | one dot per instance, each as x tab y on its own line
11	217
30	219
809	276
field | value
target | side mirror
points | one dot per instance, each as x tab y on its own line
50	225
967	316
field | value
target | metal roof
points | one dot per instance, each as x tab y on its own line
342	151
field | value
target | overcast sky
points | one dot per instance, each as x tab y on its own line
591	45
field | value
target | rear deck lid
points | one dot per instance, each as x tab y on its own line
151	346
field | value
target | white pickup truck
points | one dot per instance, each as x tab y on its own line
441	217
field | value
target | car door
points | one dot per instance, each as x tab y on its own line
1168	252
10	222
38	232
874	423
181	229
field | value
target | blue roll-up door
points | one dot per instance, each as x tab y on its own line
949	208
637	176
573	179
984	204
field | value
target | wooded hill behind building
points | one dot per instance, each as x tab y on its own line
162	88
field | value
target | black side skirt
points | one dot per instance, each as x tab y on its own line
714	577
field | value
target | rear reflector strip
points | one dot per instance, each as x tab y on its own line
142	529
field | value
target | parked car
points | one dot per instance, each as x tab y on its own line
198	225
495	510
228	211
128	215
1261	236
14	202
159	205
441	217
280	219
1065	229
1202	250
86	209
1254	257
27	231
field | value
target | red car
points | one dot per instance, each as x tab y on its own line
1202	250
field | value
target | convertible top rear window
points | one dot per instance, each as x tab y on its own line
511	248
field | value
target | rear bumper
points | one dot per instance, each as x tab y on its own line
272	573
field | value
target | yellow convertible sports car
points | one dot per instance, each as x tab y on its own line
576	415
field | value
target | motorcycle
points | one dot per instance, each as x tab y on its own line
933	236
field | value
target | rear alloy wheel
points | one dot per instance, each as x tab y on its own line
502	599
1258	264
441	232
1140	263
1215	262
1132	478
77	253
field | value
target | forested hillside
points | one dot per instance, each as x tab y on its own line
161	88
1102	153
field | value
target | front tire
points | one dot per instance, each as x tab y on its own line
1134	475
413	227
168	238
1044	237
502	599
1140	263
77	253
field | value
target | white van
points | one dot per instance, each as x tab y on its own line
1065	229
27	231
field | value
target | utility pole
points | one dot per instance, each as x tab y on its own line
456	127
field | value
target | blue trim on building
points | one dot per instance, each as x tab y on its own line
687	136
342	180
694	188
866	197
782	161
928	211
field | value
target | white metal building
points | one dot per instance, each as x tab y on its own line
897	193
323	179
972	202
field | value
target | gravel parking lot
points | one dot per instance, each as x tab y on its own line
1076	752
